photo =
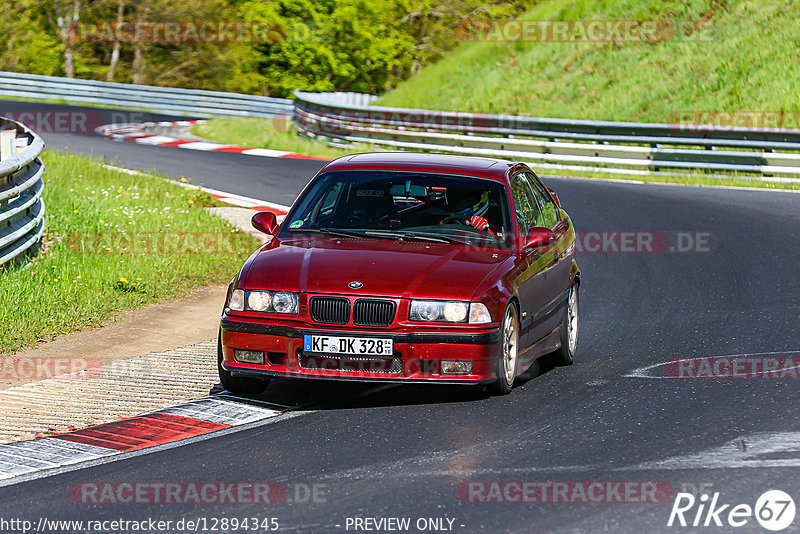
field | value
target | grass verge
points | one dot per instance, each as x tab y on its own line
113	242
726	55
275	134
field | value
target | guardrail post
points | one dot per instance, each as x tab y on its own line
7	149
20	143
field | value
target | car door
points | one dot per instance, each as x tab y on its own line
554	265
530	283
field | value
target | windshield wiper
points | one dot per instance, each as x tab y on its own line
330	231
410	235
379	234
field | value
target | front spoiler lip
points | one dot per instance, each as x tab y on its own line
487	338
262	373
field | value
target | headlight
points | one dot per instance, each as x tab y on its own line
455	312
425	310
269	301
259	300
284	302
237	300
438	311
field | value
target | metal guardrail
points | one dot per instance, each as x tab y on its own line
348	117
555	141
21	187
344	98
194	102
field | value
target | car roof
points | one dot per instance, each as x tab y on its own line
493	168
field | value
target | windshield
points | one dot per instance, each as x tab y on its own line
404	205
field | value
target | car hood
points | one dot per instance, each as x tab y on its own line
387	268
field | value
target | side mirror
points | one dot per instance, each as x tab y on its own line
555	197
539	236
265	221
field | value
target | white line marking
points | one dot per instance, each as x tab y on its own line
131	134
199	145
731	455
156	140
132	172
231	198
247	202
265	152
643	372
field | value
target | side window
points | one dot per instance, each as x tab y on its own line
548	206
330	199
327	202
524	203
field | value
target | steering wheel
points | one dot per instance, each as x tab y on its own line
453	218
357	218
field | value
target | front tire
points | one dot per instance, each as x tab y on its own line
506	368
237	384
565	354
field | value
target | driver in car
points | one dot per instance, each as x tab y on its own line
468	207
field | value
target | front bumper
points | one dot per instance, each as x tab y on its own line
416	357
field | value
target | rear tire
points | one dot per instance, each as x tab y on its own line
506	368
238	384
565	354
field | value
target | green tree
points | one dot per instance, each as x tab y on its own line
322	45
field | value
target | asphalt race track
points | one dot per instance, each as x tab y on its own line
391	451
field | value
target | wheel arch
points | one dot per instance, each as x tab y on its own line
513	299
575	275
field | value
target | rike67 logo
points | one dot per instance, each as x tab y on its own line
774	510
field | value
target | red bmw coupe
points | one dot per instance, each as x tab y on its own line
406	267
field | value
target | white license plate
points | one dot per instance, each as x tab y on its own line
359	346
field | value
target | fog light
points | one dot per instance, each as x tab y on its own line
248	356
456	367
